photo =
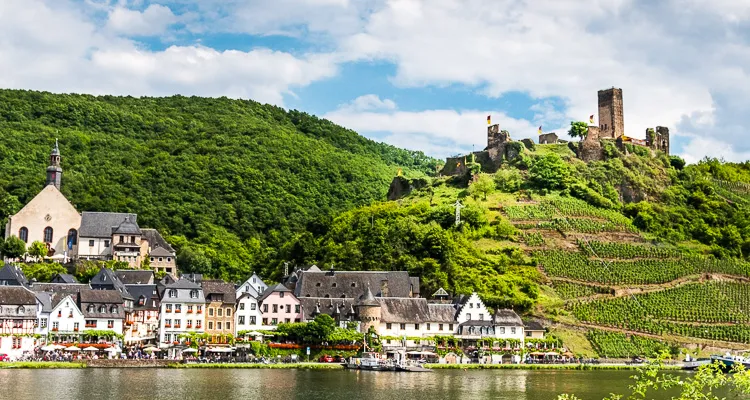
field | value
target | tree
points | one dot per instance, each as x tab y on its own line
578	129
550	172
508	180
42	272
38	249
483	185
13	247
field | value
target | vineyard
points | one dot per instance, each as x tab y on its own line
626	250
737	192
569	215
678	311
532	238
568	290
573	265
619	345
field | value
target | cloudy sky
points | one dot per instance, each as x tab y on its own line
420	74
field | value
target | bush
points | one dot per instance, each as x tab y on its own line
677	162
508	180
550	172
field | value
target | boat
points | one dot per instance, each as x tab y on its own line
729	361
369	362
692	364
411	367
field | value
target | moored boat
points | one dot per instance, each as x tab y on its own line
729	361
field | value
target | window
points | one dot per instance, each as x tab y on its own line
55	325
177	323
296	308
169	308
287	320
106	243
402	326
198	324
75	326
513	330
200	309
90	323
178	308
229	326
481	317
274	321
23	234
141	300
167	337
440	327
317	284
48	235
450	327
169	259
132	239
18	323
416	326
122	239
172	293
113	310
241	320
242	306
152	259
161	259
229	312
275	308
43	322
190	309
218	325
288	308
354	284
265	321
252	320
265	307
110	323
210	312
168	322
253	306
502	330
102	309
281	294
189	323
220	312
334	284
193	294
528	334
210	325
471	305
428	326
468	316
388	325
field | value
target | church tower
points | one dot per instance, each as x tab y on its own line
54	171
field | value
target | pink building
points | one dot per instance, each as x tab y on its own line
279	305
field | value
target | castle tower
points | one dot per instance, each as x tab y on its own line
611	122
369	311
54	171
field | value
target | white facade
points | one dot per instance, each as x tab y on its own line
473	309
94	248
253	285
66	317
247	315
182	311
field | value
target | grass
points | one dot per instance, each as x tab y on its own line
578	367
575	341
322	366
41	365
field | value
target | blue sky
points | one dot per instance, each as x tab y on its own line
420	74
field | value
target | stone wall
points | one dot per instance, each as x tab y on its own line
401	186
548	138
611	120
590	149
118	363
658	139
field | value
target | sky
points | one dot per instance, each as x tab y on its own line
418	74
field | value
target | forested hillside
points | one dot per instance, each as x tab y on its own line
228	180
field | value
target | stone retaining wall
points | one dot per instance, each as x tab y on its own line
105	363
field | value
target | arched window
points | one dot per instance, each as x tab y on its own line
72	238
48	235
23	234
102	309
113	310
21	310
90	308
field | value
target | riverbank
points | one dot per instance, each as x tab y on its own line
317	366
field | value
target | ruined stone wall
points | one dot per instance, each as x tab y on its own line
548	138
496	137
590	149
659	139
611	120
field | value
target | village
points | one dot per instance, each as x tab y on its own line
131	313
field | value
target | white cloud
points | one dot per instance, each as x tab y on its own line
154	20
369	102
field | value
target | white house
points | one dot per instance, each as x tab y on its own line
181	313
253	285
473	309
66	318
43	311
247	316
102	310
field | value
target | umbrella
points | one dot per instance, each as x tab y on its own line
91	348
113	349
254	333
72	348
551	353
57	347
152	348
221	350
536	353
190	350
49	348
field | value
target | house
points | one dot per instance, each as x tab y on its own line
247	314
43	311
534	330
145	316
472	308
162	256
106	279
279	305
135	277
476	323
18	308
181	313
220	301
102	310
66	319
49	217
96	232
63	278
11	275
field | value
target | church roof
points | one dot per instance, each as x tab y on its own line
55	150
127	227
101	224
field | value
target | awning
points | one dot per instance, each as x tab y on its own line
221	350
421	353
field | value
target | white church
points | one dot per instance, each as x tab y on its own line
69	235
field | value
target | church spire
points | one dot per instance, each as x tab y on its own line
54	171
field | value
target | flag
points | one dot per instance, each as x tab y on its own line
540	129
591	119
489	120
458	164
399	172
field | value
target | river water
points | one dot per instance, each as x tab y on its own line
230	384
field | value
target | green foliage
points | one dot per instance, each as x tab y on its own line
578	129
87	269
42	272
234	178
322	329
549	172
12	247
38	249
676	162
619	345
483	185
508	180
567	290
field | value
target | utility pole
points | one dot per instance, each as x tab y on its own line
458	206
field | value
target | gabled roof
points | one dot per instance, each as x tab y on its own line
135	276
45	299
16	295
127	226
217	290
442	313
150	295
440	293
507	317
59	296
107	279
64	278
156	240
100	296
160	252
196	278
183	284
59	287
102	224
13	275
352	284
272	289
367	299
92	301
183	289
533	326
404	310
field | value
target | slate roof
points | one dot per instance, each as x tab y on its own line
107	279
405	310
135	276
60	295
442	313
101	224
197	278
183	287
183	284
160	252
45	299
533	326
13	275
90	302
352	284
272	289
150	295
217	290
64	278
127	226
16	295
155	240
59	287
507	317
367	299
325	306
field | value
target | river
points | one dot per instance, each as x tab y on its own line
230	384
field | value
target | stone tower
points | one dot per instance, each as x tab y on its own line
658	139
54	171
368	310
611	122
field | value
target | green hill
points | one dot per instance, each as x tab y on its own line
229	180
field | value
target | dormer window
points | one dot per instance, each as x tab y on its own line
102	309
317	284
281	294
193	294
90	308
172	293
113	310
354	284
